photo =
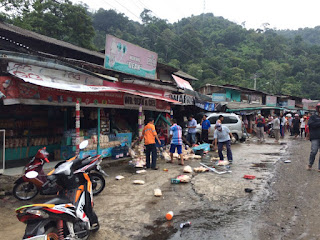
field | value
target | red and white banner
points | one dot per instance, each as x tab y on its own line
19	92
183	84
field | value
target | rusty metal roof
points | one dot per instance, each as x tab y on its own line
5	27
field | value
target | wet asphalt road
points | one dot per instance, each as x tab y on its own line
288	208
285	207
292	211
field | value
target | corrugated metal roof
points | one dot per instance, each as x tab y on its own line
185	75
26	33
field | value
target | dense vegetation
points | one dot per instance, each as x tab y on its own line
309	35
210	48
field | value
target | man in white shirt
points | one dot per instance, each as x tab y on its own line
276	127
222	136
303	126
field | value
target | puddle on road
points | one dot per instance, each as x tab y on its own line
260	165
205	224
272	154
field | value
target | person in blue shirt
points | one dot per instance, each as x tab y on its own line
192	124
222	136
176	141
205	123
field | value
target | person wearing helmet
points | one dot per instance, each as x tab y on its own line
314	136
222	136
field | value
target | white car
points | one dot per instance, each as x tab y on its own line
231	120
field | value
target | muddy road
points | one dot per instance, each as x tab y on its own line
292	210
282	205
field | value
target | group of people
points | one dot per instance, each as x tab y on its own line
297	126
307	125
222	136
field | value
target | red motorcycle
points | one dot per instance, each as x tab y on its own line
26	188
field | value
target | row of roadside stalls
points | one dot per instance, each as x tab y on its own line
192	102
248	103
40	99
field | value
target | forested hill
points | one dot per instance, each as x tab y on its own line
218	51
210	48
309	35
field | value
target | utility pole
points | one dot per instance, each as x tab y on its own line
255	81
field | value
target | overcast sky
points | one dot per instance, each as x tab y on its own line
280	14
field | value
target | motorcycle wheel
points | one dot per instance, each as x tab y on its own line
25	191
98	183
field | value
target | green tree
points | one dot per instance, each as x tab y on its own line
58	19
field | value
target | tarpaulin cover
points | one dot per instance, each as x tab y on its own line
183	84
63	80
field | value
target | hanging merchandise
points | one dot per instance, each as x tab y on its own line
140	121
104	123
77	126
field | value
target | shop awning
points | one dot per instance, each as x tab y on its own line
60	82
183	84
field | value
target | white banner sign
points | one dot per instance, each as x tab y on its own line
183	98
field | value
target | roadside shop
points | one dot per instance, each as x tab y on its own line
41	112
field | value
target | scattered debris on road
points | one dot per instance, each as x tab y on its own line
138	182
119	177
157	192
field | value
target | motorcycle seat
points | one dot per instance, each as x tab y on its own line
86	161
59	200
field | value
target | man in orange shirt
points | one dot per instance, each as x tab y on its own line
150	135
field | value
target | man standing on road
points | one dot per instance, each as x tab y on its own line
314	136
303	126
222	136
276	128
192	124
176	141
260	122
205	123
296	125
150	135
282	124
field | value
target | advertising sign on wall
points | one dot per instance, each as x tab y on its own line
271	101
129	58
183	98
208	106
291	103
219	97
147	103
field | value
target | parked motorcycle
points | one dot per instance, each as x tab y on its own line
27	188
68	216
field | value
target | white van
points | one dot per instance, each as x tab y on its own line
230	120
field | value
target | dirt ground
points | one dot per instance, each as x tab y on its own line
217	205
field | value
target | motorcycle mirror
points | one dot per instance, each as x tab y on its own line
32	174
84	144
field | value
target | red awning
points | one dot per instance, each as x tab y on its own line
183	84
63	84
